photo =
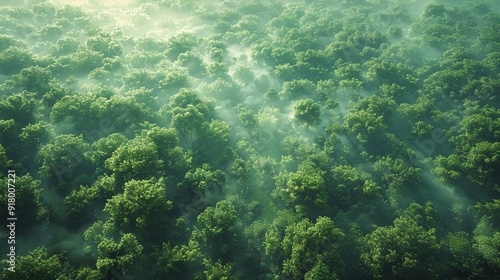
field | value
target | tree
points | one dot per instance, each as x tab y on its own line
482	163
103	149
434	10
212	144
144	59
20	107
313	65
303	190
9	40
348	71
122	113
244	74
311	250
176	163
404	250
425	215
297	88
103	44
136	159
35	134
142	78
217	50
487	243
79	200
38	264
218	270
206	186
5	162
142	209
34	79
183	261
65	46
307	111
81	62
400	176
88	273
223	89
13	59
218	229
368	128
188	111
346	185
180	43
175	79
386	72
77	112
462	257
65	161
86	202
122	257
193	62
29	205
56	92
203	180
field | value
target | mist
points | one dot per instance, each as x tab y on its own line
223	140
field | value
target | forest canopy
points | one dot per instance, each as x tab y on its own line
189	139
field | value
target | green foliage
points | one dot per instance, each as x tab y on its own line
188	110
103	44
38	264
179	261
402	251
180	43
365	125
297	88
215	135
218	227
203	179
483	161
220	140
132	210
103	149
65	160
399	176
136	159
487	243
13	59
347	185
33	79
218	271
307	111
87	202
31	207
463	258
75	110
5	162
35	133
303	190
311	248
244	74
20	107
120	257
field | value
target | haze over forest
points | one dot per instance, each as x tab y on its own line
330	139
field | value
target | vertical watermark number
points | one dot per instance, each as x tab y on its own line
11	219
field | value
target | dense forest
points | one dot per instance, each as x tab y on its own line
287	139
